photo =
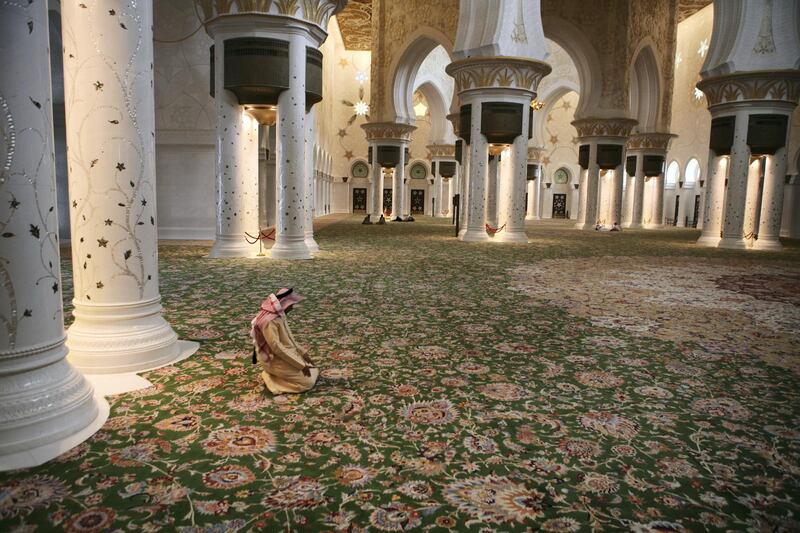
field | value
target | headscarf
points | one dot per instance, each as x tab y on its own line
275	305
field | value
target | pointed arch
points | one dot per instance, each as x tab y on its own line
645	88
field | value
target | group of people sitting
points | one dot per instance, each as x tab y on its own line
382	219
614	227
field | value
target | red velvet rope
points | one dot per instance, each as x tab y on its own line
494	230
261	236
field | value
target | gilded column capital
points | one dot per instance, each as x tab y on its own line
317	12
754	86
650	141
535	154
604	127
497	72
388	131
442	151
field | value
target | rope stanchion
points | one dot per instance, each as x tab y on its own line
492	230
262	236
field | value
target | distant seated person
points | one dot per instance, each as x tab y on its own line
409	218
286	366
616	227
398	218
366	220
381	220
600	227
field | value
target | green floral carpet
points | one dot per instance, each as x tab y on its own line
581	382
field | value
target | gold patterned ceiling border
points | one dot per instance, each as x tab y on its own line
650	141
318	12
604	127
388	131
687	8
535	154
442	150
493	72
774	85
355	23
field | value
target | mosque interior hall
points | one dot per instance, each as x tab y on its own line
399	265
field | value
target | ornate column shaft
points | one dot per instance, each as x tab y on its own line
750	115
376	186
769	227
270	195
583	180
489	84
310	173
111	149
715	198
650	150
606	139
46	406
491	189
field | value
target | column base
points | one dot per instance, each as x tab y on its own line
312	245
45	410
767	244
290	249
708	240
733	243
122	338
511	237
226	246
473	235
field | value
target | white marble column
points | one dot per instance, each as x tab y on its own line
491	190
769	228
628	198
399	184
437	191
376	187
475	230
751	208
111	148
511	196
616	193
290	236
658	202
465	185
715	199
263	160
46	406
638	193
452	183
583	179
237	174
736	194
592	188
530	212
271	198
308	201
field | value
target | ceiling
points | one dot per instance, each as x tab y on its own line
687	8
356	25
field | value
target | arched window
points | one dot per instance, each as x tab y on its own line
673	171
692	173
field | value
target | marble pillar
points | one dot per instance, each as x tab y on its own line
437	191
271	197
530	208
475	230
657	220
376	187
263	159
616	193
592	189
511	192
736	193
237	177
638	183
769	227
290	235
583	179
310	171
491	190
46	406
110	123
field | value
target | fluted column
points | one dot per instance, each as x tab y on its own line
769	227
111	148
46	406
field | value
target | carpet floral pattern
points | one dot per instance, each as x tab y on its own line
465	387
